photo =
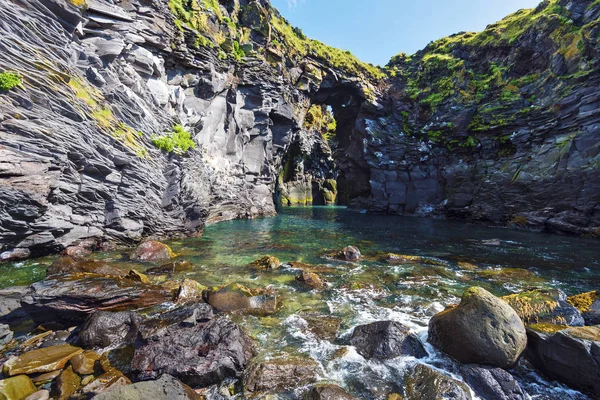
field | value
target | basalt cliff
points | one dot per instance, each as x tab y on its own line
500	127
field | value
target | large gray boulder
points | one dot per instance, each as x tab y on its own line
115	329
386	339
571	356
492	383
482	329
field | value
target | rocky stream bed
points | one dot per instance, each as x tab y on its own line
316	303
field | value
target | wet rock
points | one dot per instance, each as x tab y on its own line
235	297
83	363
545	306
171	268
164	388
325	327
109	380
350	253
190	290
482	329
589	306
138	277
492	383
425	383
41	360
10	304
67	383
187	315
310	279
82	249
152	250
115	329
47	377
39	395
6	336
200	355
400	259
16	388
570	355
67	265
385	340
279	375
328	392
70	300
267	263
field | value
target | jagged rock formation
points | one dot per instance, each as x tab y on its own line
499	127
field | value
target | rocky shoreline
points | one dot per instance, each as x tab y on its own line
92	330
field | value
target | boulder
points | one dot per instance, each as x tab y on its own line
68	265
570	355
589	306
328	392
425	383
164	388
235	297
482	329
199	355
325	327
310	279
70	300
490	383
350	253
152	250
544	306
114	329
267	263
41	360
386	339
279	375
16	388
187	315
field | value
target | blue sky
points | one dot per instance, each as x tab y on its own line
376	30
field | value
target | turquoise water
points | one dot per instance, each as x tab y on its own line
506	261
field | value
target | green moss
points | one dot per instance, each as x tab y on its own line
9	80
319	118
179	141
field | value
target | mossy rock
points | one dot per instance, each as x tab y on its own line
583	302
544	306
266	263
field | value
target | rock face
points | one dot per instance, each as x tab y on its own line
571	356
200	355
386	339
425	383
482	329
492	383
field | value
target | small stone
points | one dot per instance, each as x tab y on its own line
39	395
138	277
67	383
267	263
47	377
190	290
351	253
310	279
41	360
16	388
84	363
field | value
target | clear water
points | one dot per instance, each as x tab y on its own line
372	290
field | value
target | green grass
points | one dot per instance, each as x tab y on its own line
9	80
179	141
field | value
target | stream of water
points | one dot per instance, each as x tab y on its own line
358	293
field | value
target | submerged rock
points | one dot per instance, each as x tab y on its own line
279	375
492	383
16	388
199	355
386	339
152	250
328	392
68	265
350	253
115	329
235	297
310	279
425	383
70	300
569	355
41	360
400	259
325	327
544	306
164	388
171	268
267	263
482	329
